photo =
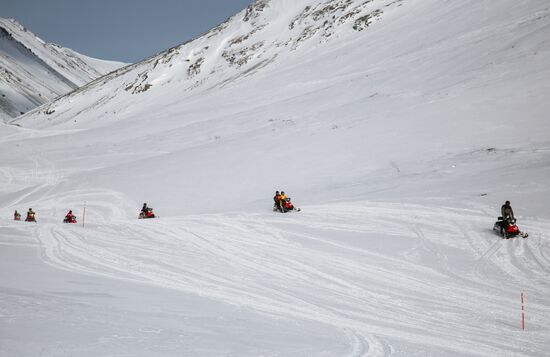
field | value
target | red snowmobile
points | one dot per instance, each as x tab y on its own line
30	217
507	228
147	213
17	216
69	218
286	206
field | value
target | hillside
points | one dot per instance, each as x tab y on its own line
34	72
399	128
401	92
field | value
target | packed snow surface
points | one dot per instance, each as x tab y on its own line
398	127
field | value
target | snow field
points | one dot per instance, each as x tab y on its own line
399	143
389	274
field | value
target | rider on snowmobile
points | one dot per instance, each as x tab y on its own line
146	212
30	215
282	201
277	200
507	214
144	208
70	216
506	211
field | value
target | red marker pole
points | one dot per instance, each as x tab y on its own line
522	313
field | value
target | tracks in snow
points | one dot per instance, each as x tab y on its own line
375	271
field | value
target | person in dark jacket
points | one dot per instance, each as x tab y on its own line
506	211
277	200
30	216
507	214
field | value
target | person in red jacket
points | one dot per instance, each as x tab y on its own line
70	217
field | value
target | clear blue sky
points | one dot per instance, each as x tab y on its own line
123	30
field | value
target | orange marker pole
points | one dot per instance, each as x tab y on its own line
522	313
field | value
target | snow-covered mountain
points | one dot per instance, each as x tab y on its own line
33	72
399	128
266	32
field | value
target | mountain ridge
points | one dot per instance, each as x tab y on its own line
243	44
35	72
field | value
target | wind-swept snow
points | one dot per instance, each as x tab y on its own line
399	128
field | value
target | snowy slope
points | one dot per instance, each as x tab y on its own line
34	72
234	50
399	128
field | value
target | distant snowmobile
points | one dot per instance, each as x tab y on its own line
70	218
285	206
16	216
30	217
507	228
147	213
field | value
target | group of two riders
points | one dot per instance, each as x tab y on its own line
282	202
30	216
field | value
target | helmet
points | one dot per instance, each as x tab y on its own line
507	202
277	192
71	211
282	192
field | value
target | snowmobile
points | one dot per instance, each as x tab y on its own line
508	228
17	216
286	206
69	219
30	218
148	213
